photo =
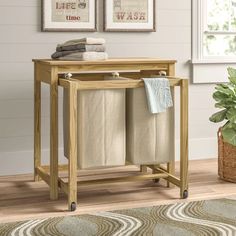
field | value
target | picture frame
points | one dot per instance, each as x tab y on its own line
129	15
75	15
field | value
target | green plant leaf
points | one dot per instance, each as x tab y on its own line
232	80
218	116
231	115
225	89
232	75
225	96
229	136
218	96
231	72
229	125
220	105
223	85
226	104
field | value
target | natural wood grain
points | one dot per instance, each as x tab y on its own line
21	198
37	122
44	73
143	169
121	64
183	136
54	134
109	67
60	168
170	178
110	84
123	179
64	186
171	165
43	174
121	61
72	144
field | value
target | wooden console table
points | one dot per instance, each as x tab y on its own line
53	73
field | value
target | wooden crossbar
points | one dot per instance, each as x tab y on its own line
110	84
64	185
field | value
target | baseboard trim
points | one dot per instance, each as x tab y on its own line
14	163
200	149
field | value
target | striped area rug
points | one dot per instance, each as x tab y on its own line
203	218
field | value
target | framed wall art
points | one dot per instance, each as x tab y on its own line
73	15
129	15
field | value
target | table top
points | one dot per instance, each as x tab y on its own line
112	61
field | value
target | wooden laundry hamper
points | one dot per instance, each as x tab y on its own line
226	159
89	75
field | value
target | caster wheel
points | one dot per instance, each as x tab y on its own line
73	206
185	194
156	181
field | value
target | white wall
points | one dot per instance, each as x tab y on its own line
21	40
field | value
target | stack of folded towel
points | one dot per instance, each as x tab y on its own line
86	49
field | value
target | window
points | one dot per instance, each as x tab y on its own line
219	36
214	39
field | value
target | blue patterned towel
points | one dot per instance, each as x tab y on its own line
158	94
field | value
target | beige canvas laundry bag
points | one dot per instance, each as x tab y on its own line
101	128
150	137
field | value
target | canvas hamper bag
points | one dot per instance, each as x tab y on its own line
101	127
150	137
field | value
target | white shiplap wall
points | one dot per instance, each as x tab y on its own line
21	40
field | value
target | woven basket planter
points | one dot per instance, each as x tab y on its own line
226	160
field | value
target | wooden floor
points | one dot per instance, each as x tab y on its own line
21	198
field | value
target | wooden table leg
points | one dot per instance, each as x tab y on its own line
143	169
72	147
184	139
171	164
171	170
37	123
156	172
54	135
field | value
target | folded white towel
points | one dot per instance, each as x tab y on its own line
83	41
85	56
158	94
82	48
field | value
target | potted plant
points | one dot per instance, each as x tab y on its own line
225	97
